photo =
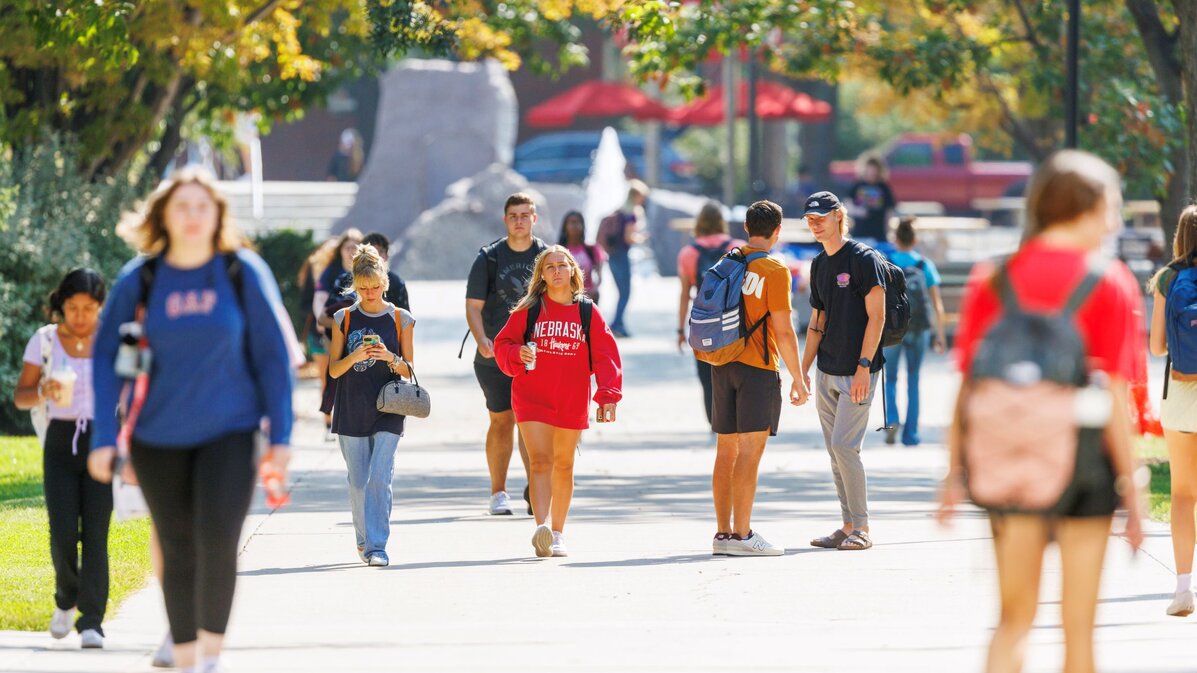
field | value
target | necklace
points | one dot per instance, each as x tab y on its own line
80	341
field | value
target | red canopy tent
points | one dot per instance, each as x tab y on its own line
773	101
595	99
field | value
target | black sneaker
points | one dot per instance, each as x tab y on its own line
528	499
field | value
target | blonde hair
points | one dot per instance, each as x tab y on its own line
537	285
145	228
1068	184
1184	245
369	265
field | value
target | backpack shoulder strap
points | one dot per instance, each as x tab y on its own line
345	325
236	272
1093	275
145	276
533	315
586	312
46	337
1005	288
491	252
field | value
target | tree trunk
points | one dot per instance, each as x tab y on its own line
1186	12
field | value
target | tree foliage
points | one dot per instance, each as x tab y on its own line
127	78
995	68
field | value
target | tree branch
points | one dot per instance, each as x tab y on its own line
1027	25
1159	45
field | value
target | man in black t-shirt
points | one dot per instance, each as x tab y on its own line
498	280
872	202
847	293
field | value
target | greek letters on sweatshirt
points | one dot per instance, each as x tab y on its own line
215	369
557	391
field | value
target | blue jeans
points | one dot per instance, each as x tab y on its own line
621	273
371	463
913	345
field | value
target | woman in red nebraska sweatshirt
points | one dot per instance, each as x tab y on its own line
551	399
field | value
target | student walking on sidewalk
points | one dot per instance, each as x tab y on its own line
550	390
57	377
1071	403
591	258
847	293
926	314
746	392
209	312
498	280
1173	333
617	233
372	340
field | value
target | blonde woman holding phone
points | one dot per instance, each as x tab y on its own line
372	340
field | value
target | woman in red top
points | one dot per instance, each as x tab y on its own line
550	390
1073	204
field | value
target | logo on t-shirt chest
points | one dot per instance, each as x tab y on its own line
843	279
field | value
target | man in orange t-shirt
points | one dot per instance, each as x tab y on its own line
746	398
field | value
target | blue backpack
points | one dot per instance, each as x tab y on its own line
718	333
1180	307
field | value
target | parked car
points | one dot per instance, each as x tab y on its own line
930	167
567	156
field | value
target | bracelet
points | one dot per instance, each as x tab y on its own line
681	330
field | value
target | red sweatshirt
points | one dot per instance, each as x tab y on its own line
557	392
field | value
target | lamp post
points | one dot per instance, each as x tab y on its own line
1071	111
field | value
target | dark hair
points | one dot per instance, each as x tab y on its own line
378	240
762	218
518	199
564	238
77	281
904	234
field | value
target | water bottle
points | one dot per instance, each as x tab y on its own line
128	354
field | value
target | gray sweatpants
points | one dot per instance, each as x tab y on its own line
844	425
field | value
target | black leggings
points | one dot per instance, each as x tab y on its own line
198	497
79	509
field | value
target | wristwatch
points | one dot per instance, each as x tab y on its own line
865	362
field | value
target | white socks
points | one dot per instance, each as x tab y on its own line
1184	582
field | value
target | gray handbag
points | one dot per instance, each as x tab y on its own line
404	398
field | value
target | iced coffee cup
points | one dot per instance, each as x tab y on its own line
65	378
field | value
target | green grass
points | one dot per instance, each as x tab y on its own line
27	582
1153	452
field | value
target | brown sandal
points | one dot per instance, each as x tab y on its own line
858	540
832	541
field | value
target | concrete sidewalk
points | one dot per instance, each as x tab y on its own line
640	590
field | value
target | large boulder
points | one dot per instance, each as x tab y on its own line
443	242
438	122
661	209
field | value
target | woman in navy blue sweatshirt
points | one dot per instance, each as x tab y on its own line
219	364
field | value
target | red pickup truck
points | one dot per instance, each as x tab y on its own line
931	167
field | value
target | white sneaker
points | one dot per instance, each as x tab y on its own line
719	545
91	639
558	546
753	545
61	623
542	541
499	504
165	656
1182	604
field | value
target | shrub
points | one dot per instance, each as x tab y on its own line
51	220
285	250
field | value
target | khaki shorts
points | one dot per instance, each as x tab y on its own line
1178	411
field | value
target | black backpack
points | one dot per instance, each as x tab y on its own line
897	303
585	309
708	257
919	294
232	267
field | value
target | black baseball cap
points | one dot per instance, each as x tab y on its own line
821	203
